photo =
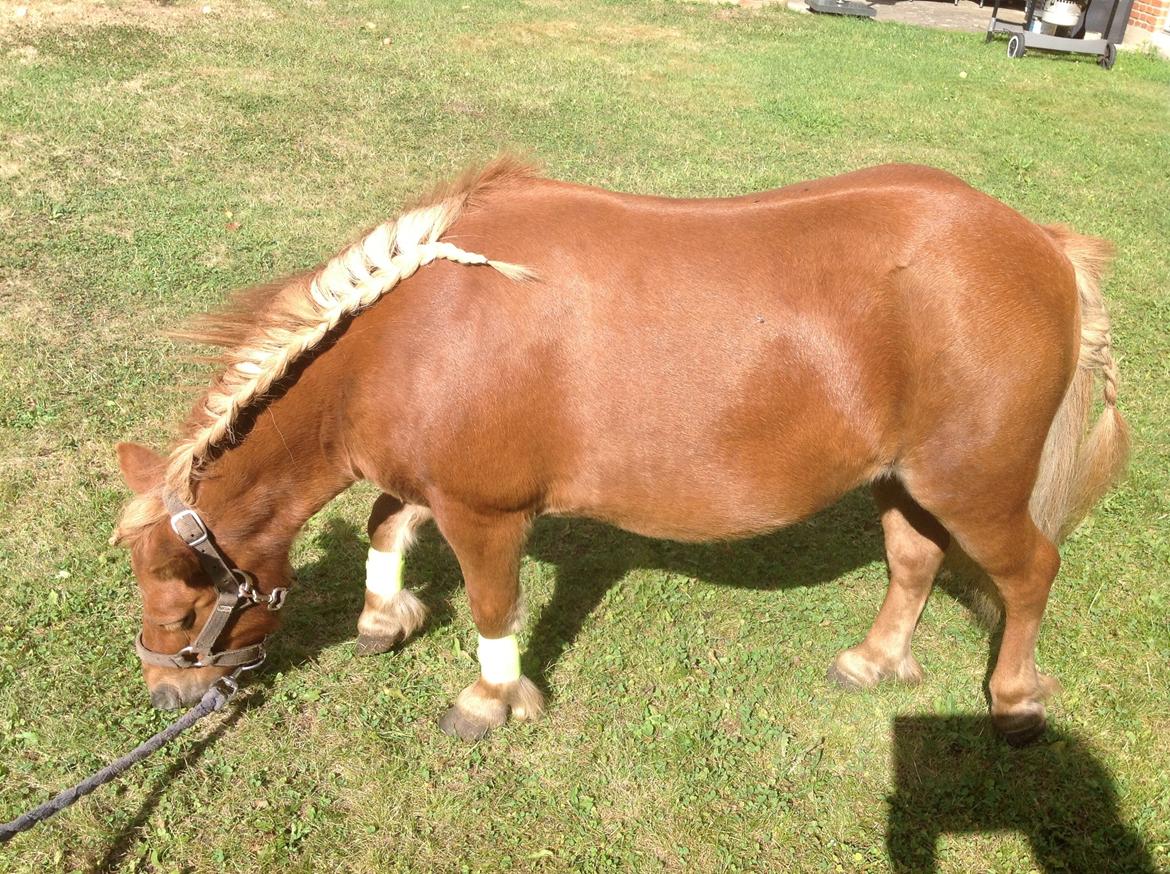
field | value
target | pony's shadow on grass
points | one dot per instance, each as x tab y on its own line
589	559
954	776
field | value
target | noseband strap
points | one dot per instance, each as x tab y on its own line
236	591
188	658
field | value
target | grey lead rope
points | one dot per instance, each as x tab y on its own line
213	699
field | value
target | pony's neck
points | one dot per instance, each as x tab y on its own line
258	494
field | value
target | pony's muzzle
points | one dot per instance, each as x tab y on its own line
171	688
165	697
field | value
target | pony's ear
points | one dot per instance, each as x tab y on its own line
142	467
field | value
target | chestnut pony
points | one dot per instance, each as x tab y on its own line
684	369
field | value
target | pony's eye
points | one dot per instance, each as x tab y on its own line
178	624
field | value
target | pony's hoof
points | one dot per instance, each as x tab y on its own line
853	669
373	644
842	680
387	623
483	706
1020	729
473	722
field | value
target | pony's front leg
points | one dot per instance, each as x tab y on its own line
391	613
488	547
915	546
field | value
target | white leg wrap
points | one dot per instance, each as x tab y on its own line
384	573
499	659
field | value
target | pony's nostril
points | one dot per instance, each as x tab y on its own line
165	698
192	696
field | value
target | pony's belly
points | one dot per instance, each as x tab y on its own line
712	508
691	530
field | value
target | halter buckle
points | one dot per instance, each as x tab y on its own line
191	516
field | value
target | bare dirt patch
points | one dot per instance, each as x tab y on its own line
25	15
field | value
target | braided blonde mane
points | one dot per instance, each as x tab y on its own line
302	314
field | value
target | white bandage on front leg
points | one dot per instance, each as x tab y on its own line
384	573
499	659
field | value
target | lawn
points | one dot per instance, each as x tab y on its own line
153	157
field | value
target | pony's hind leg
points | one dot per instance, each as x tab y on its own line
391	613
915	545
993	525
1023	564
488	548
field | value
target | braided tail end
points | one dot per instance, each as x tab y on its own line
1075	470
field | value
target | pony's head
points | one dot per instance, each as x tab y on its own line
203	614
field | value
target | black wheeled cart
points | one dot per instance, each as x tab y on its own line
1045	28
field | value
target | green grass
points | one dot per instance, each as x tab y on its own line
690	726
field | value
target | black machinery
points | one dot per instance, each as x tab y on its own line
843	7
1059	26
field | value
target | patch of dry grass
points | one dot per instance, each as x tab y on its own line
26	17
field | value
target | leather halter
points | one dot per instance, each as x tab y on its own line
236	591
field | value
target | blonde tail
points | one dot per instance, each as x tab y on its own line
1075	470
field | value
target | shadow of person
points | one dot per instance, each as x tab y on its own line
953	775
